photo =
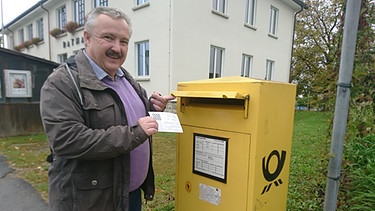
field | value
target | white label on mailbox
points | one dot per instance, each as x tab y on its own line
209	194
210	156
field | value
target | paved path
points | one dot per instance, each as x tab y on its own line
16	194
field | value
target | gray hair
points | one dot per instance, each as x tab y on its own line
114	13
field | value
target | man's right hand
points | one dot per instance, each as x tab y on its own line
149	125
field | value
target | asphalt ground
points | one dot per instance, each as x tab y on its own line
16	194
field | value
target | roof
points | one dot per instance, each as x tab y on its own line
301	4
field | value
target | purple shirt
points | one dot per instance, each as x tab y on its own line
135	109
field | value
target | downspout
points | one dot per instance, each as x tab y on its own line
303	6
12	36
48	29
170	48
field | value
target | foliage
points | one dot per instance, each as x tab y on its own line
316	60
71	26
36	40
27	43
19	47
361	165
56	32
362	115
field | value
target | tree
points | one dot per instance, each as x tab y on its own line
315	63
316	60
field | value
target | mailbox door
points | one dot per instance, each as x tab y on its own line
212	170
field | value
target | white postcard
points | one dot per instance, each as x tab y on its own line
168	122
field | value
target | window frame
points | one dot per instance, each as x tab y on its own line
142	57
216	67
79	12
29	31
61	17
274	21
220	6
62	57
141	2
40	28
21	36
251	11
247	65
270	69
99	3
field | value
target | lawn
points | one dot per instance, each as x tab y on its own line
310	146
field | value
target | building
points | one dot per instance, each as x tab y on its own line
21	79
172	41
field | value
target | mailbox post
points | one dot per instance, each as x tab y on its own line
234	153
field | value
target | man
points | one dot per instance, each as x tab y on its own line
95	117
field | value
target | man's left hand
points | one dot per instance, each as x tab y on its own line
160	102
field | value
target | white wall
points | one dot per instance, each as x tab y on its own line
180	34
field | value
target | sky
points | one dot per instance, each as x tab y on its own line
14	8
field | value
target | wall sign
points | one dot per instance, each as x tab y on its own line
18	83
210	156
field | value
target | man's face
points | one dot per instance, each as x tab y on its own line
107	43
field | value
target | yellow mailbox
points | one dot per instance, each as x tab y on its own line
234	153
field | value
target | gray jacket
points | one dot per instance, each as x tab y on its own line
90	144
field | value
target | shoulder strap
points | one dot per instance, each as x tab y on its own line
75	83
49	157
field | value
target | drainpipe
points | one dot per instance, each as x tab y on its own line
48	29
2	24
170	48
12	36
303	6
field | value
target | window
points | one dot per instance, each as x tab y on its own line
29	29
216	62
274	16
98	3
40	29
250	12
270	66
143	58
62	57
79	12
21	37
61	17
140	2
219	5
247	62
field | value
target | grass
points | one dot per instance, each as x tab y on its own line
309	162
360	157
27	156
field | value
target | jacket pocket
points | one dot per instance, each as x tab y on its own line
100	111
93	191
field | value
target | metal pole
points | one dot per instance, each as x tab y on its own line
342	103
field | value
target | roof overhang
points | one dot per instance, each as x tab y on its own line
296	4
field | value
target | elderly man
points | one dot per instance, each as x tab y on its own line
95	117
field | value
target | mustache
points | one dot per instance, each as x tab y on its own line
113	54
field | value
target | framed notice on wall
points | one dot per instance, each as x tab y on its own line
210	155
18	83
